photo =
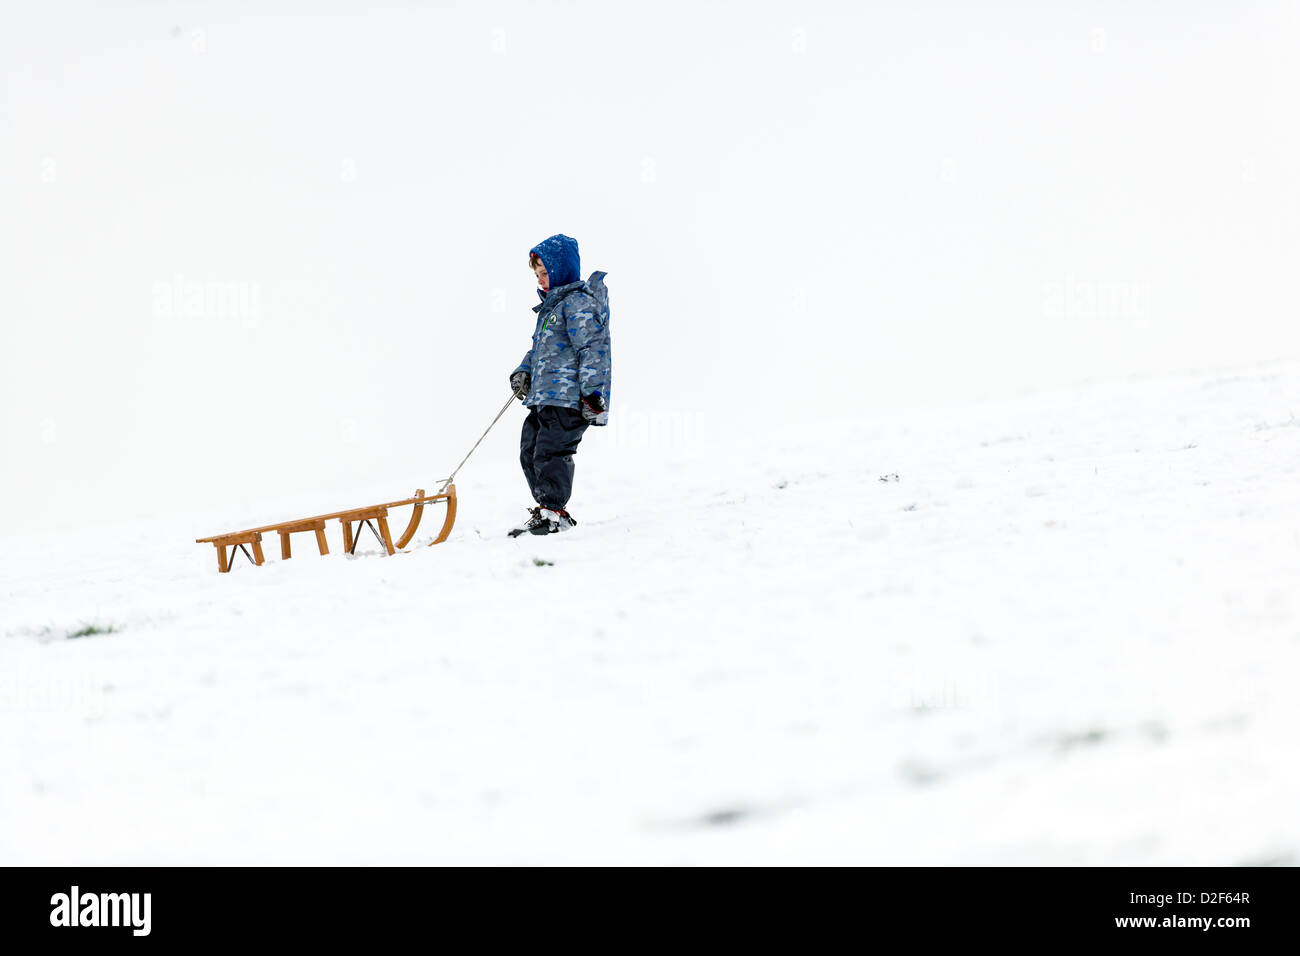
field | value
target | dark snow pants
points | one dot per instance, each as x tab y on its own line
546	448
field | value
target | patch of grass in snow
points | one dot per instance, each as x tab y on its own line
90	630
1155	731
725	816
1088	738
919	774
543	563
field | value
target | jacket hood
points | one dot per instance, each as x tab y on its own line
559	254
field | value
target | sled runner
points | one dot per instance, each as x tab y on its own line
359	517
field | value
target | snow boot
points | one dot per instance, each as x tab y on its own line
545	521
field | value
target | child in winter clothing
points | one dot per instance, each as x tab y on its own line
563	380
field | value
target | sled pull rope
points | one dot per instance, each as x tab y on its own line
510	401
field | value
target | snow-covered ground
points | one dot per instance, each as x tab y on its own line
1054	629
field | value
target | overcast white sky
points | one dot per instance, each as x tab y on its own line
251	247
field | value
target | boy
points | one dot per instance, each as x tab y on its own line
563	380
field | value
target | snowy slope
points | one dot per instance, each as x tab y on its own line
1067	633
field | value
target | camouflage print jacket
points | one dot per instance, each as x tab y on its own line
570	356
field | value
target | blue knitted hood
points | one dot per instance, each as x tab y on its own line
559	254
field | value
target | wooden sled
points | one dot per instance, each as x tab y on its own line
242	540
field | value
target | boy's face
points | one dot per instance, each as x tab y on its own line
543	279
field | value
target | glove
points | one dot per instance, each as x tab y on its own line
520	381
591	405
